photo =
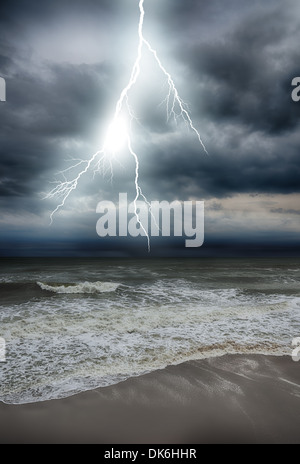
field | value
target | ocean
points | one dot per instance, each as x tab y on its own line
71	325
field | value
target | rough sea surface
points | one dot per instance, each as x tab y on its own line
72	325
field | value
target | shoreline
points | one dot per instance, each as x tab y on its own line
196	358
228	399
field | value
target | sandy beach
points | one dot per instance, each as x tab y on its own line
230	399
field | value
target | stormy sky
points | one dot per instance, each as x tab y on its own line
233	61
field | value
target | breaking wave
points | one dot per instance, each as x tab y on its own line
74	328
84	287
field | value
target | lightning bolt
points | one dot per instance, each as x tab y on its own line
101	161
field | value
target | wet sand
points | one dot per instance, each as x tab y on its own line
230	399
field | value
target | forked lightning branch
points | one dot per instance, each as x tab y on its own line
118	135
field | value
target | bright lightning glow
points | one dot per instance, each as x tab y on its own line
118	133
116	136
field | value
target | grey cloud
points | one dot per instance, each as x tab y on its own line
285	211
44	110
247	79
215	206
233	65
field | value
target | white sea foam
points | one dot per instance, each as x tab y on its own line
57	346
93	343
84	287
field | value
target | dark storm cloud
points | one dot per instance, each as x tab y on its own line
233	62
49	103
40	112
16	12
248	71
239	79
240	163
5	64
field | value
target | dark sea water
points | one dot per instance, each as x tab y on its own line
75	324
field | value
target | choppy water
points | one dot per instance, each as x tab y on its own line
73	325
